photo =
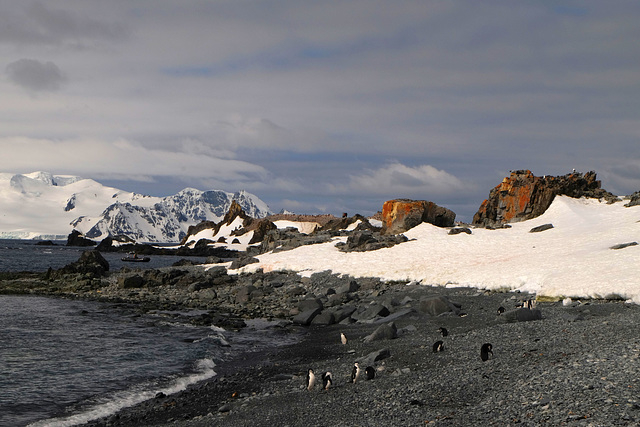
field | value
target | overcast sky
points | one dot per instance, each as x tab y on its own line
321	106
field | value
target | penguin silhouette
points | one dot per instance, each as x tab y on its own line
485	350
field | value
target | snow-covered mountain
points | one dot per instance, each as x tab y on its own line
40	205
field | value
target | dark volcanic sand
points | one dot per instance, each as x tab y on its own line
577	366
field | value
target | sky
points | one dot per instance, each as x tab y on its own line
321	106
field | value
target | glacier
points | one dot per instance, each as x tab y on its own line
41	205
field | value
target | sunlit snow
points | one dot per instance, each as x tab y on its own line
573	259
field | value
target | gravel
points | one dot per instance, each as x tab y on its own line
576	366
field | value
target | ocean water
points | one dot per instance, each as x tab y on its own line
66	362
78	360
26	255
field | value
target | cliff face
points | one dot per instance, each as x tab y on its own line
523	196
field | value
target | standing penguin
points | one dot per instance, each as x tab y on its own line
370	372
443	331
500	310
355	372
311	379
343	338
326	380
438	346
485	350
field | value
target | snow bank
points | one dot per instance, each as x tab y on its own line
573	259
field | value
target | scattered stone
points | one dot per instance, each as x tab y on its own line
458	230
624	245
540	228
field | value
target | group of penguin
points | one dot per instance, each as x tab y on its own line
327	379
485	350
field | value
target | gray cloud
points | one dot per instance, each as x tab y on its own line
35	75
336	103
37	23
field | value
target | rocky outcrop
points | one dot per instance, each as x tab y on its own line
90	262
401	215
523	196
75	238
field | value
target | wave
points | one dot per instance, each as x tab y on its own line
127	398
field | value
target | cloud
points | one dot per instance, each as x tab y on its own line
34	75
398	180
36	23
120	159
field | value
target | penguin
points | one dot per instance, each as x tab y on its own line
343	338
355	372
311	379
443	331
370	372
501	310
326	380
485	350
438	346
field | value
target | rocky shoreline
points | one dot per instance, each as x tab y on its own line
558	364
575	366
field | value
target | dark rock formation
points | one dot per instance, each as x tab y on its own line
367	240
634	199
523	196
401	215
459	230
75	238
90	262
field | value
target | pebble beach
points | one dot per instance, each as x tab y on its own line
577	366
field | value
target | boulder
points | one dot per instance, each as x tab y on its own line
371	312
306	317
131	282
540	228
325	318
352	286
400	215
344	312
438	305
623	245
375	356
459	230
90	262
310	304
387	331
523	196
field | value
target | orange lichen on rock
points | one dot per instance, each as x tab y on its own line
523	196
400	215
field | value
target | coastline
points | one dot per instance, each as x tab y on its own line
571	367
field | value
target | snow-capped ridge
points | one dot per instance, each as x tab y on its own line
42	204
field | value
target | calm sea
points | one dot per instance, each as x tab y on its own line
26	255
66	362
